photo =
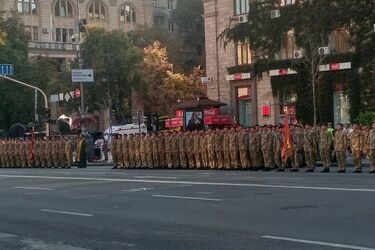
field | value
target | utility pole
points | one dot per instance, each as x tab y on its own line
35	88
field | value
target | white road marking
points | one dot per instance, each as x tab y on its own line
320	243
137	189
34	188
155	177
66	212
186	197
5	235
192	183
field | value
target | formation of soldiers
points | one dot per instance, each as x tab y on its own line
253	148
51	152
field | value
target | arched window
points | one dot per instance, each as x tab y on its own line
27	7
97	11
63	8
128	14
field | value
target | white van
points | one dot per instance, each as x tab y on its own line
126	129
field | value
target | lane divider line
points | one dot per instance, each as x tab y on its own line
185	197
319	243
34	188
66	212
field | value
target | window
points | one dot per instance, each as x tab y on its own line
33	32
243	54
63	8
27	7
97	11
170	4
63	35
170	26
128	14
286	2
241	7
290	45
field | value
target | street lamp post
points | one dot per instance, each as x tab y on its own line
35	88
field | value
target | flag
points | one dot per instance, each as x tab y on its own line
287	148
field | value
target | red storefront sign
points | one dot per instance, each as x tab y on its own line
213	111
334	66
218	120
179	113
175	122
266	110
283	72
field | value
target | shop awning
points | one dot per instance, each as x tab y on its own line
218	120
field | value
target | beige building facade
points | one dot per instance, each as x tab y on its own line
250	99
245	94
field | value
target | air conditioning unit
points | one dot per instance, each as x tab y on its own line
243	19
45	30
275	13
288	2
297	54
323	50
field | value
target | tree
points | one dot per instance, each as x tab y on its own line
310	22
116	63
164	87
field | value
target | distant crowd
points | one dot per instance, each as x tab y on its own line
252	148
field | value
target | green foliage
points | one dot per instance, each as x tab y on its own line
116	63
366	118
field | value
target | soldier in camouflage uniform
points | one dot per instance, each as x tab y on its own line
309	146
297	147
370	148
182	149
266	142
114	151
219	151
190	149
226	151
155	154
125	151
168	150
233	149
196	149
137	150
203	148
210	149
1	153
340	143
255	149
357	145
67	152
242	139
278	145
131	151
120	158
161	150
55	151
325	142
148	148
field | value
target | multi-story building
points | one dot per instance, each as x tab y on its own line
249	97
53	23
53	27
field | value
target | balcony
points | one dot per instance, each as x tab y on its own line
53	49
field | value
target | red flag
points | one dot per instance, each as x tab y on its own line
287	149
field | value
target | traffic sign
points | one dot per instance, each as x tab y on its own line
6	69
77	93
82	75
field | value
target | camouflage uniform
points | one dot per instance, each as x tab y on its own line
233	149
125	151
309	146
114	152
219	151
210	139
148	151
55	152
155	155
161	150
278	145
203	149
356	145
267	148
226	151
297	140
255	149
242	148
120	156
325	142
190	149
182	149
371	148
340	145
196	149
68	153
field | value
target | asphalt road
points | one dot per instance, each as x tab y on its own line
100	208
